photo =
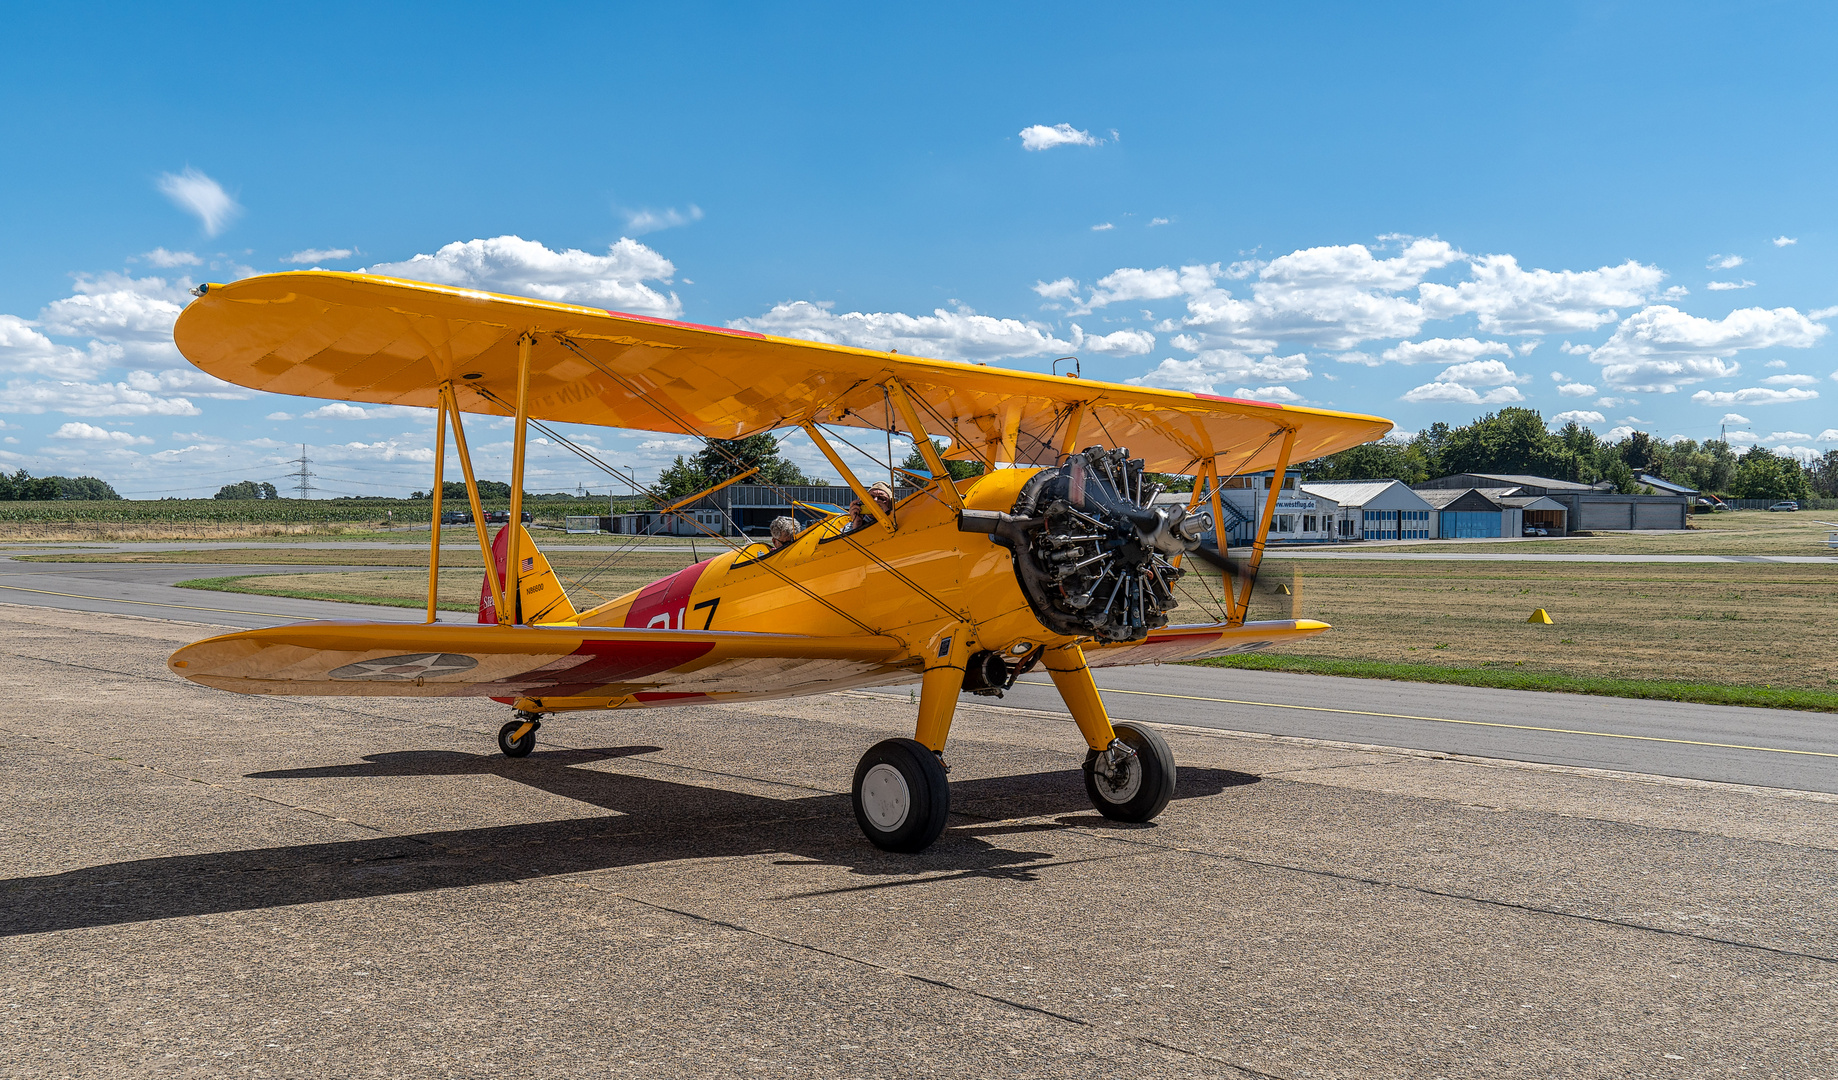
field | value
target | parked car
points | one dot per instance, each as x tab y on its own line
1788	505
503	517
456	517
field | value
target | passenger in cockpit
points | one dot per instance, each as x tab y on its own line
860	517
784	531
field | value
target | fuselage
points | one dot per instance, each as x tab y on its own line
906	584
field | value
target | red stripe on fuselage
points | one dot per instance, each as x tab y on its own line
664	604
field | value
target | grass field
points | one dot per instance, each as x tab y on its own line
1757	625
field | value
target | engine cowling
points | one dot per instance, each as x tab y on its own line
1091	548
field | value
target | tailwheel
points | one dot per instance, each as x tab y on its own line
1133	779
901	796
518	737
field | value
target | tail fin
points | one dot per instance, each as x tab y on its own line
542	598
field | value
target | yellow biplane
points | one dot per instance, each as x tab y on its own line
1057	554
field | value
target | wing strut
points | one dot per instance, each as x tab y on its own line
440	462
1249	576
513	556
472	495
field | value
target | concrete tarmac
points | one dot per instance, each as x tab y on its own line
203	884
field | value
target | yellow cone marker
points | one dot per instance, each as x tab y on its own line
1540	616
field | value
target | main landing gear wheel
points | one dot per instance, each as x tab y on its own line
1133	782
901	797
518	747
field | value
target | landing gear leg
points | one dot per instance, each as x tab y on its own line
1129	770
518	737
901	795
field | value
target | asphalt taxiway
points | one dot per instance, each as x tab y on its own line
203	884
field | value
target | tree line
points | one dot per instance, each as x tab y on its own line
23	486
1516	441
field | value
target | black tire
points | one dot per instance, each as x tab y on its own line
901	795
523	746
1147	783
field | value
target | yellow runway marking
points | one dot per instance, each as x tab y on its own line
143	603
1468	723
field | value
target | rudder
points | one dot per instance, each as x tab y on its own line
543	600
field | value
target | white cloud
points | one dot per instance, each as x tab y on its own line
1741	436
1785	241
1063	289
640	222
1805	455
1725	262
1162	283
1822	313
188	380
511	264
90	433
1581	416
316	255
1102	227
1508	300
1270	393
23	350
159	256
90	399
1828	435
1575	389
1675	292
1042	137
1662	348
340	410
952	335
1334	297
1753	395
279	416
1526	347
1734	418
1727	286
1790	380
1482	373
198	194
1616	434
1787	436
1205	372
1444	350
1611	402
1775	364
1157	221
1456	385
1455	394
134	313
1575	350
1120	343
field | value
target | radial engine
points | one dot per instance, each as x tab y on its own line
1091	547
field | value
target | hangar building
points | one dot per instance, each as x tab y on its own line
1589	508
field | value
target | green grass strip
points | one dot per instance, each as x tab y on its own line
240	585
1511	679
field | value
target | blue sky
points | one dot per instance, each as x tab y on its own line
1618	211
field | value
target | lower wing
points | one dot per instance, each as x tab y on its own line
1197	642
560	667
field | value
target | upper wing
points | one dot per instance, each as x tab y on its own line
356	337
593	665
1197	642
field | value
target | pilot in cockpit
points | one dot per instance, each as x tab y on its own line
784	531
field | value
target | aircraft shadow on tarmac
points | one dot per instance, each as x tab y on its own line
655	821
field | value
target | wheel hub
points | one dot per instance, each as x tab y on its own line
885	797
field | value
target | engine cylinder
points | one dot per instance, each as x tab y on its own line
1092	546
